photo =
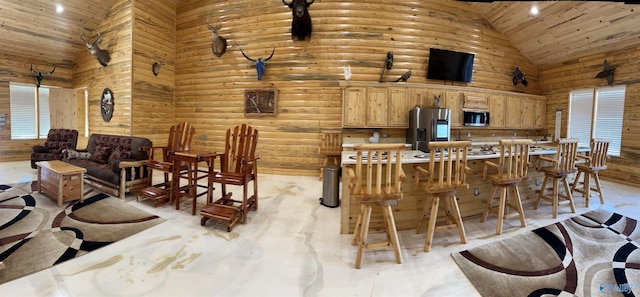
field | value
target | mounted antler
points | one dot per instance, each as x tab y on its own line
101	55
260	66
218	43
40	75
301	23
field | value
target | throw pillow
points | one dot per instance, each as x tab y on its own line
101	154
72	154
118	154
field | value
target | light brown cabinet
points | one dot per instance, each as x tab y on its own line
387	105
453	101
524	113
497	106
354	108
375	107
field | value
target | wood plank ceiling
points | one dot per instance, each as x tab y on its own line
33	29
562	31
565	30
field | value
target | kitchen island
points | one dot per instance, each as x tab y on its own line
408	210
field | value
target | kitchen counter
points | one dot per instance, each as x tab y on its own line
416	156
471	200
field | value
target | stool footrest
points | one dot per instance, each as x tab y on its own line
222	212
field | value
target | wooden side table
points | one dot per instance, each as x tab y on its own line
191	159
61	181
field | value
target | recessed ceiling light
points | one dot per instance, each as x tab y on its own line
534	10
59	8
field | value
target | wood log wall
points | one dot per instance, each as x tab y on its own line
559	80
115	31
209	90
17	69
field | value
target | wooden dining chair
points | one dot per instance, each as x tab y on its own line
445	175
161	158
330	148
512	168
376	181
238	167
595	161
562	165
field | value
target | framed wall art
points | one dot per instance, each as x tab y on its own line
260	102
106	104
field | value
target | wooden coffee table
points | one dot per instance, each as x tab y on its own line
61	181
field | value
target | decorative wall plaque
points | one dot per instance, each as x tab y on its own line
260	102
106	105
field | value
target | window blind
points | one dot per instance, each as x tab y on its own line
22	101
580	111
608	116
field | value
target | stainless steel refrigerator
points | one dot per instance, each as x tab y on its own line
428	124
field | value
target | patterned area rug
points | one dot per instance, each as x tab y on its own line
36	234
594	254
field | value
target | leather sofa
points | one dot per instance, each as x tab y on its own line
57	141
115	164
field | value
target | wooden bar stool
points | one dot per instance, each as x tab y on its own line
594	162
563	164
512	167
330	147
376	181
446	174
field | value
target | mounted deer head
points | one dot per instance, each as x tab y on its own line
101	55
301	23
218	43
40	75
260	66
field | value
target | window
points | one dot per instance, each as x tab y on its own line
597	113
25	113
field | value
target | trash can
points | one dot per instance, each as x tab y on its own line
330	186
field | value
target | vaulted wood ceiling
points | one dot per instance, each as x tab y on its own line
34	29
562	31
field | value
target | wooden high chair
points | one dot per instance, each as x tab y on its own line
161	159
563	164
330	147
376	181
238	167
446	174
512	167
594	162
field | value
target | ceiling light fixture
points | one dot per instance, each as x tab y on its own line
59	8
534	10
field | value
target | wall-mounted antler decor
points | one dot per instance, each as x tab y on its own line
218	43
38	76
260	63
101	55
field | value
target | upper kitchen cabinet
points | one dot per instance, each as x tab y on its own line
524	112
399	107
497	105
375	107
453	102
475	101
354	108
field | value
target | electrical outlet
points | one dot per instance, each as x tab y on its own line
537	182
203	137
476	192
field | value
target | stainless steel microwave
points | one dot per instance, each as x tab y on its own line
476	118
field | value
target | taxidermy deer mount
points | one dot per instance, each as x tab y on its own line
101	55
260	63
218	43
40	75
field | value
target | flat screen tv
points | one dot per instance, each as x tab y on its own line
450	65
